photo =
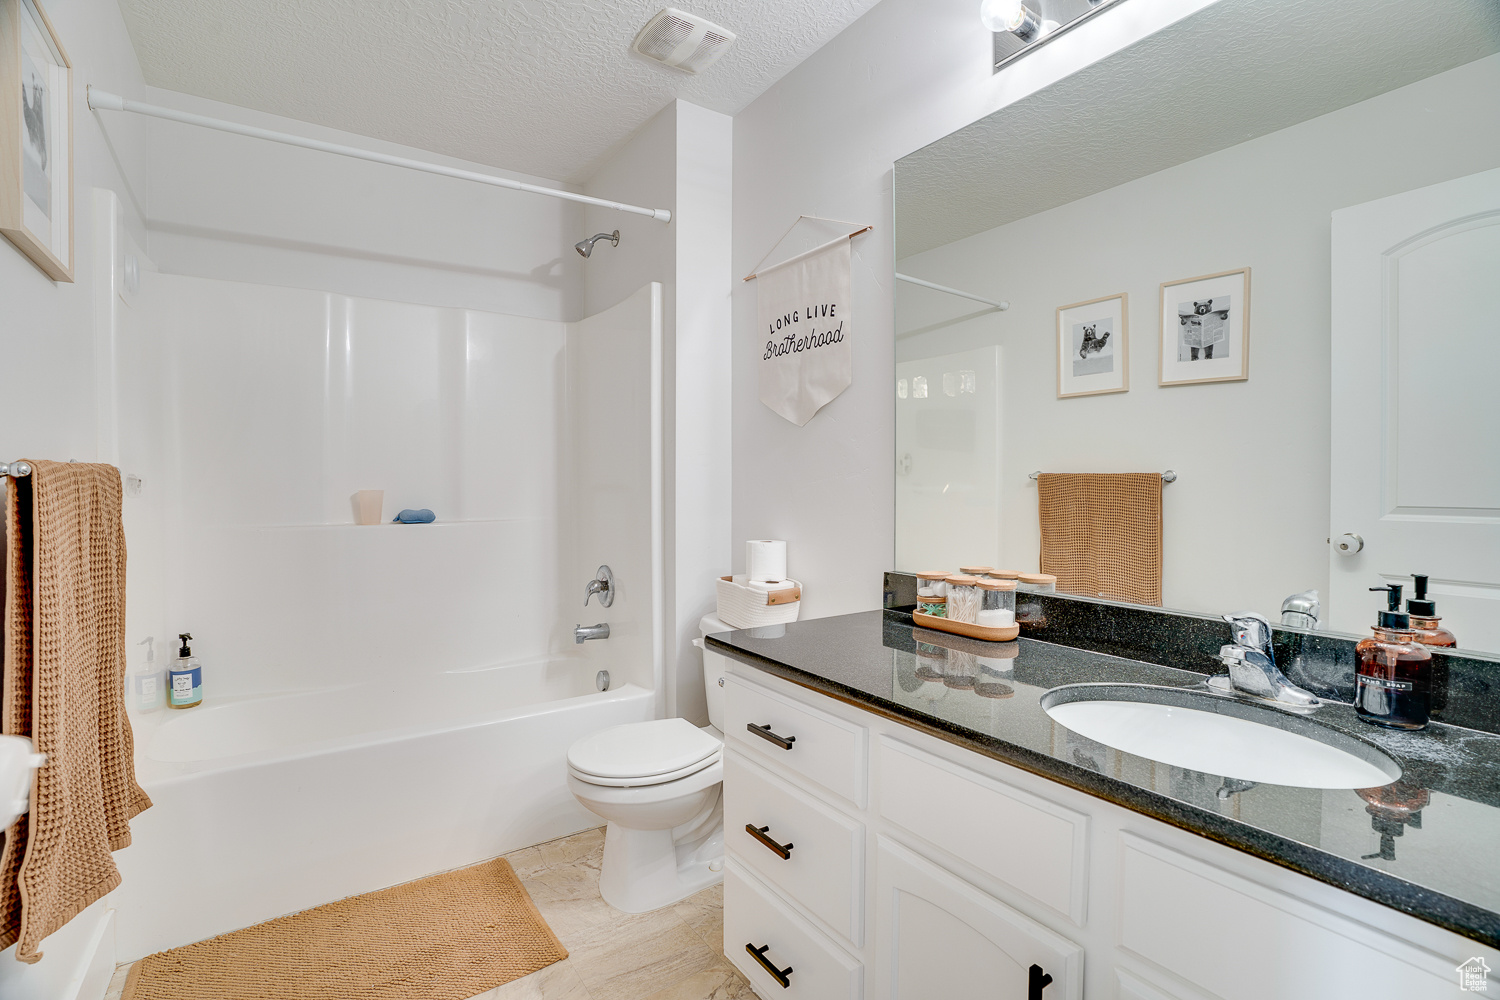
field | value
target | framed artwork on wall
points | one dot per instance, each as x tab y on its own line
1093	347
36	139
1205	329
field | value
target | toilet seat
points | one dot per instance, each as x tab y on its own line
644	753
648	780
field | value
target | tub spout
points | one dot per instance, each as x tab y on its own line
583	633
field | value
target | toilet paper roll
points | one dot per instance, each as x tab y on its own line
765	561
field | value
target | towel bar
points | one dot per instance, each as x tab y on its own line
15	468
1167	477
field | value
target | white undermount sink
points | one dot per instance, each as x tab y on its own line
17	761
1219	735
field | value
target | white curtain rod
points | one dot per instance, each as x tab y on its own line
1002	306
100	100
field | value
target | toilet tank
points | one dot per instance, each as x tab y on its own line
713	672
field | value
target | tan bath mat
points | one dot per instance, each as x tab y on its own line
447	937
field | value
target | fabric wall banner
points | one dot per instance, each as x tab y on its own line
805	327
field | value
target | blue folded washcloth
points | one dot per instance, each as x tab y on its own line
423	516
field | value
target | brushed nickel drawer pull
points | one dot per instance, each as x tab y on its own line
759	954
764	732
784	852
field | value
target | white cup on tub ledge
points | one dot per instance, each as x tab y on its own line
369	506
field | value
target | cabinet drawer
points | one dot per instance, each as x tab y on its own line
1197	921
822	748
1032	845
825	850
815	968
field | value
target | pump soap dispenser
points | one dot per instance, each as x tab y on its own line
1393	672
185	683
1424	617
146	681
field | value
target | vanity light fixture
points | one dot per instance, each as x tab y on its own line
1019	26
1015	17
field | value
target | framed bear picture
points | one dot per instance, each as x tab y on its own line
1205	329
1093	347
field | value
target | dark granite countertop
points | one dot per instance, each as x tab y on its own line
1441	865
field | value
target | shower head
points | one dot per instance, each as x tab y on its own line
586	247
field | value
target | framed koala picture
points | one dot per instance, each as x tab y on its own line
1205	329
1093	347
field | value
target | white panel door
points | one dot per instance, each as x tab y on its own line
939	937
1416	357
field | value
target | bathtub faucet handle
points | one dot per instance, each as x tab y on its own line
602	584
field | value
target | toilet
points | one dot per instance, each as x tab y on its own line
657	784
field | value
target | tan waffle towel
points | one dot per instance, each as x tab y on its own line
63	683
1101	533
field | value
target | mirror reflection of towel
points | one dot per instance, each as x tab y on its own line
1101	534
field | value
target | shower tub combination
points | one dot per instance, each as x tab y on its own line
382	702
268	805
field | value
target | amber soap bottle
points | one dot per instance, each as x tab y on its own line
1393	672
1424	617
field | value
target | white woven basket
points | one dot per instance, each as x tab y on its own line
745	607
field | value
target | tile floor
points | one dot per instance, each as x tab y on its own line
675	953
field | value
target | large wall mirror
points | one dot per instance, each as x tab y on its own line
1277	225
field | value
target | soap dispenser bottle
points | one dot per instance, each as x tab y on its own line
185	679
1424	617
147	681
1393	672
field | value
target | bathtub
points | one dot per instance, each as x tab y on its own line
271	804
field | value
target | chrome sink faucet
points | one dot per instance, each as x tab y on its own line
583	633
1252	665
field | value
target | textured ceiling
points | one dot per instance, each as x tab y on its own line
1234	71
546	87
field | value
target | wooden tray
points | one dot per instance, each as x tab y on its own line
1004	634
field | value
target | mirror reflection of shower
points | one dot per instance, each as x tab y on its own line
586	247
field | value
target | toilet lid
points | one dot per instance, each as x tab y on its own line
643	749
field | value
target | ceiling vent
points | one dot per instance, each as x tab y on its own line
682	41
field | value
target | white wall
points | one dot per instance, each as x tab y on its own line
680	160
1252	457
701	452
279	403
48	405
227	206
616	394
822	142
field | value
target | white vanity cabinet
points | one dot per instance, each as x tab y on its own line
915	869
